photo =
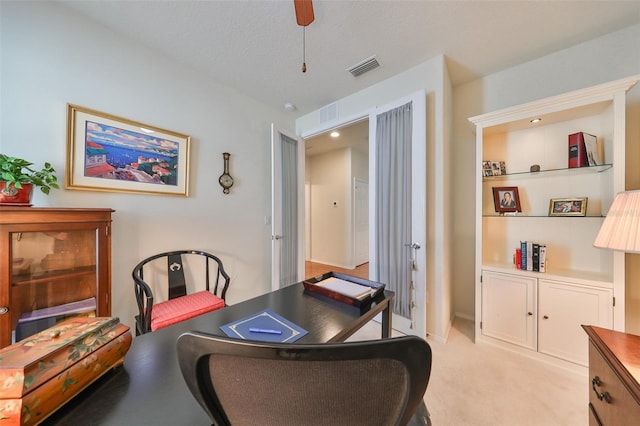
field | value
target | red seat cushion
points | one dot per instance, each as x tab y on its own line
182	308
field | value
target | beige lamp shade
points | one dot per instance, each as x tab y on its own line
621	228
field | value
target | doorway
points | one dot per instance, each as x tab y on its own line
336	192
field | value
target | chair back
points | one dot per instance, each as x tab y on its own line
239	382
215	279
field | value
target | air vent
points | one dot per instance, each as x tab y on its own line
328	113
364	66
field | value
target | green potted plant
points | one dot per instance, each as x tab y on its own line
17	178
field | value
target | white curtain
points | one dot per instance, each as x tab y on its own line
393	205
289	209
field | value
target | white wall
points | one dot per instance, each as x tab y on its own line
51	56
329	174
330	177
431	77
604	59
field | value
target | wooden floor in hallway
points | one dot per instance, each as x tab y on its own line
313	269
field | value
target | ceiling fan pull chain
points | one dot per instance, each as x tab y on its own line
304	50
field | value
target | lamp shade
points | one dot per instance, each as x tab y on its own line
621	228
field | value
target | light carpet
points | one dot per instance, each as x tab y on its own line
483	385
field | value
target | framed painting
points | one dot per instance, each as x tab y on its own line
109	153
506	199
568	206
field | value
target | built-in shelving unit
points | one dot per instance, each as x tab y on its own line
583	279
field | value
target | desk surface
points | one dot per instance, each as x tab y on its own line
150	390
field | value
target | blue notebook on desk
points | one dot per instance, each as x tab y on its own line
264	326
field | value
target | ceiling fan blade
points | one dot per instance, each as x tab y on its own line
304	12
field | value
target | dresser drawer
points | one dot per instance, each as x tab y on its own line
611	403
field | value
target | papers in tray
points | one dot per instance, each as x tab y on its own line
264	326
346	288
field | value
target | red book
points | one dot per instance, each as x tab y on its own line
518	259
577	151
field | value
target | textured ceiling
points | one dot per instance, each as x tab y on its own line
256	46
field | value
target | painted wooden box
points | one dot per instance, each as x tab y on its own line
42	372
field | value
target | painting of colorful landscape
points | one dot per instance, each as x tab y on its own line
114	154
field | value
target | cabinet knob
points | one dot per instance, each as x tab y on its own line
546	317
4	310
530	313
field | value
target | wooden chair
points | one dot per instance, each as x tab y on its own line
180	306
241	382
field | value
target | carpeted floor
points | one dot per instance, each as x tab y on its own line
482	385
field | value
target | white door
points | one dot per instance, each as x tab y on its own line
361	221
562	310
509	308
287	209
415	321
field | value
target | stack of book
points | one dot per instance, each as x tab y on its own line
531	257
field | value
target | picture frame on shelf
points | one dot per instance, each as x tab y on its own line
486	169
568	206
115	154
494	168
506	199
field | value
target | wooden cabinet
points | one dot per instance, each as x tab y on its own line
542	315
52	257
614	372
536	134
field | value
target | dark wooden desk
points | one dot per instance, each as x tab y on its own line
149	388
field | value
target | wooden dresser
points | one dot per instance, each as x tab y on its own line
614	372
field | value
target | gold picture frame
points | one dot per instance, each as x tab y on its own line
568	206
115	154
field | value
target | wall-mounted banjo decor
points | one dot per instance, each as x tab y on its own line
225	179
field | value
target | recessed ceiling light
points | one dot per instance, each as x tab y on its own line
289	106
335	134
536	120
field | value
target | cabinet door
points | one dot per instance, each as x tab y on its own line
563	309
55	273
509	308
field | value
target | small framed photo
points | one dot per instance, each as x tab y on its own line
486	169
506	199
568	206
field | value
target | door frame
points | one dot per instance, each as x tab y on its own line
276	201
419	99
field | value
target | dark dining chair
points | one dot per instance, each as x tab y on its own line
242	382
200	271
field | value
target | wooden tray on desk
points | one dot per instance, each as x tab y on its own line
311	285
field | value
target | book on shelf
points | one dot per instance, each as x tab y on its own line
535	255
35	321
591	148
523	255
518	258
59	310
543	259
578	149
529	256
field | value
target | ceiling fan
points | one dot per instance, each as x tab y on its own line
304	16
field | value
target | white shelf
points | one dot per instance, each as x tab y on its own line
594	279
550	173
